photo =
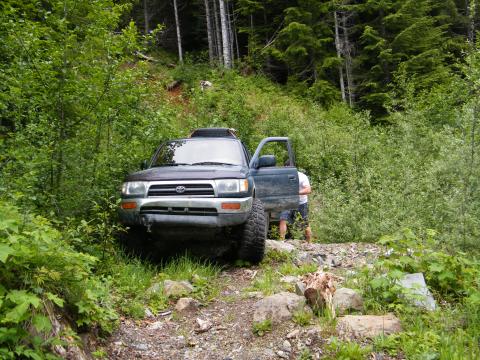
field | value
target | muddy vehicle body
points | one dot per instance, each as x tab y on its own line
209	187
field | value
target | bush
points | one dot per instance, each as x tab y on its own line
39	269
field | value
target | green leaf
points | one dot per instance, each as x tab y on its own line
55	299
5	251
17	313
21	296
436	267
41	323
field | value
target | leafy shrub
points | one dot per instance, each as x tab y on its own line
451	277
39	268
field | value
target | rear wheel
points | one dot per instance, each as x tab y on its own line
253	234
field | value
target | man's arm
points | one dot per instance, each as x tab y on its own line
306	189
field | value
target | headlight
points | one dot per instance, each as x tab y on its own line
134	188
231	186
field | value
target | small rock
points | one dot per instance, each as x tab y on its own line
289	279
155	288
155	325
186	304
203	325
303	258
300	288
269	353
192	342
140	347
282	354
148	313
181	342
286	346
417	291
250	274
345	299
118	343
293	334
313	334
368	326
280	246
255	294
278	308
331	261
177	288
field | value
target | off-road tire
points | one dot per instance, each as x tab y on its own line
252	235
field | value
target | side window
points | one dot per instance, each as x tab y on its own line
280	150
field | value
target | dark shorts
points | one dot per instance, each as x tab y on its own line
300	215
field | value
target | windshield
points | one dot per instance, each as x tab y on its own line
200	152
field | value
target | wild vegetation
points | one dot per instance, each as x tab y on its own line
383	115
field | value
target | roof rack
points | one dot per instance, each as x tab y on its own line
214	132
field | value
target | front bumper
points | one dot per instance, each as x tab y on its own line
185	211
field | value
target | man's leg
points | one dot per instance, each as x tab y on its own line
303	210
282	229
284	218
308	234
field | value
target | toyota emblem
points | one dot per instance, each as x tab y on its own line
180	189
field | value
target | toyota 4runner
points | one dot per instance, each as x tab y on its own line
210	182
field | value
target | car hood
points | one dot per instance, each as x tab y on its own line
190	172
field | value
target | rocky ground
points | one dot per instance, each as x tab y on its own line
222	329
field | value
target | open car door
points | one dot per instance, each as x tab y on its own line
275	174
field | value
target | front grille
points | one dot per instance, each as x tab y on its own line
163	210
203	190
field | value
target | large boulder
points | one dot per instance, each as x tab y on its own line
347	299
177	288
279	246
368	326
278	308
416	291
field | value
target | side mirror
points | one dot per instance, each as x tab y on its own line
144	165
267	161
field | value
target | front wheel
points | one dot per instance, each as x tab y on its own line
253	234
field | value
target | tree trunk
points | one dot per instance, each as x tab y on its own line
339	55
347	49
179	36
218	33
209	33
227	61
231	38
146	16
471	12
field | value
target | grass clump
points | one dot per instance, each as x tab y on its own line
262	327
268	282
138	284
290	268
346	350
302	317
201	274
273	257
131	279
